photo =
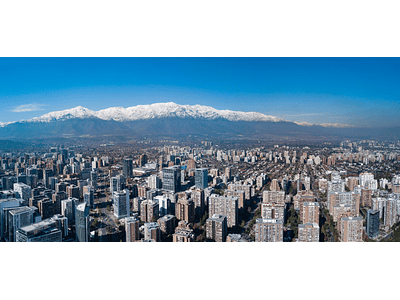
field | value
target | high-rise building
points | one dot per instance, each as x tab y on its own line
390	215
183	233
121	204
82	223
184	210
117	183
68	209
201	178
164	204
73	191
88	196
46	208
43	231
152	231
348	198
341	210
56	199
272	211
366	197
199	202
277	197
351	229
216	228
227	206
247	188
154	182
132	229
127	168
309	212
149	211
308	232
167	224
171	179
268	230
23	190
372	223
16	218
275	185
352	182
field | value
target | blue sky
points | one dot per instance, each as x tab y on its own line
356	91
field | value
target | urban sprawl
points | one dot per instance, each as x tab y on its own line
171	192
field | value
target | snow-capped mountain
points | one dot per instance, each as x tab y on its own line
154	111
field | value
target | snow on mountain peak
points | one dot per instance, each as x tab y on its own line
153	111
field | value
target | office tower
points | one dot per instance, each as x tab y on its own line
154	182
164	204
372	223
308	232
227	206
132	229
121	204
184	210
216	228
183	233
268	230
93	179
46	208
88	196
351	229
16	218
56	199
82	224
43	231
23	190
309	212
117	183
272	211
390	215
152	231
348	198
201	178
172	179
199	202
366	197
277	197
127	168
73	191
167	224
149	211
68	209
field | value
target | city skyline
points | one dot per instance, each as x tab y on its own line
354	91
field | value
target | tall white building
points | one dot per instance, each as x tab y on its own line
121	204
23	190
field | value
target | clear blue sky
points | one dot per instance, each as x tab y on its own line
357	91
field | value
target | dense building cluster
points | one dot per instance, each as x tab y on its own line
201	192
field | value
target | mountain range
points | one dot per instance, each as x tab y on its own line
174	120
